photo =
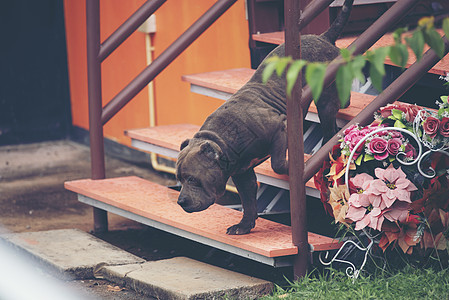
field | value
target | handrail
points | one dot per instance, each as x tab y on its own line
128	27
163	60
396	89
365	41
360	45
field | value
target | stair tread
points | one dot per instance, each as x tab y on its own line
158	203
230	81
440	68
171	137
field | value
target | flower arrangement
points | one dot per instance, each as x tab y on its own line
391	178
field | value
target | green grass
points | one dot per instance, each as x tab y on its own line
409	283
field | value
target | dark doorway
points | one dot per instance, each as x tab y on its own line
34	89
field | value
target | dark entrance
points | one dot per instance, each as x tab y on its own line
34	89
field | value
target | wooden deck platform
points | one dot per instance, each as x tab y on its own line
441	68
154	205
222	84
166	140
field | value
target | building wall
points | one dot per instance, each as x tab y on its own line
224	45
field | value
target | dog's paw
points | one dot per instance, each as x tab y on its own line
239	229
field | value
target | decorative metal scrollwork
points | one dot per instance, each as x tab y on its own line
351	271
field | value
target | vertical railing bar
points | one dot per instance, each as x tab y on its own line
163	60
128	27
312	10
296	145
95	105
395	90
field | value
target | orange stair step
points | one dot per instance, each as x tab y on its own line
230	81
170	137
155	205
440	68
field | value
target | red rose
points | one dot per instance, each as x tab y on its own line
385	111
378	147
444	127
430	126
411	112
393	146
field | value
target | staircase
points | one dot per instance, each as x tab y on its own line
154	205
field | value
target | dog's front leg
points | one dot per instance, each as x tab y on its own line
247	187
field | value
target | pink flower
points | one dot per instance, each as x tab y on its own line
392	185
363	206
378	147
393	146
366	130
351	128
396	134
399	211
444	127
354	143
431	126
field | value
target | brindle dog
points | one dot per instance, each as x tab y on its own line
249	128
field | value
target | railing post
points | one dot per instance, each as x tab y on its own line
296	145
95	105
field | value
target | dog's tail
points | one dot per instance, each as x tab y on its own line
339	23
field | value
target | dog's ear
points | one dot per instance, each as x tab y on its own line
208	150
185	144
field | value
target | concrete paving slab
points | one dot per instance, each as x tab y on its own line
185	278
69	252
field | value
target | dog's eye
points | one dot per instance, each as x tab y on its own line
193	181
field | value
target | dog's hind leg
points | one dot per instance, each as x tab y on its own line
247	187
327	111
279	162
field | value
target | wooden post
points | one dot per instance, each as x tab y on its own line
296	145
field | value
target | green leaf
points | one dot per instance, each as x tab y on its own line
343	82
416	43
397	34
281	64
376	78
368	157
358	161
398	54
268	70
292	74
357	65
446	27
377	59
397	114
434	40
346	54
315	78
444	99
399	124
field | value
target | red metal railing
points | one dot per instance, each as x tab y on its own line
299	172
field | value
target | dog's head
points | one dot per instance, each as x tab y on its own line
202	178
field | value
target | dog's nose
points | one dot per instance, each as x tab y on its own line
182	201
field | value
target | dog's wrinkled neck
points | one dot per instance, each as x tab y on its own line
226	161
